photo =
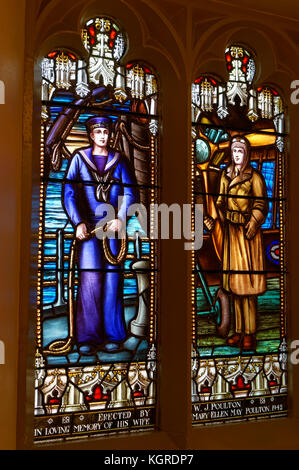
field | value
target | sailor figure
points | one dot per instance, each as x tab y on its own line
97	175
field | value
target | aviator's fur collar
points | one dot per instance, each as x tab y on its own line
244	175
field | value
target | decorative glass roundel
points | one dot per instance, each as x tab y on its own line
202	151
273	252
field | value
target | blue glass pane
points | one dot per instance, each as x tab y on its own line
268	170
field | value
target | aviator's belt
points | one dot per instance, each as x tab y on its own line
237	217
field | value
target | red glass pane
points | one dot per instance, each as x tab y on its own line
97	393
92	31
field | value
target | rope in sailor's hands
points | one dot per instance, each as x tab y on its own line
114	260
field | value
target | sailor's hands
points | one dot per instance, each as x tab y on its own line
115	225
209	223
251	228
81	232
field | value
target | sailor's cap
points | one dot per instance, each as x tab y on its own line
98	121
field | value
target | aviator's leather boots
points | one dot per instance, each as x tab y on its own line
235	340
249	343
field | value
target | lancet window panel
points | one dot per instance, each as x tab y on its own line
98	270
239	360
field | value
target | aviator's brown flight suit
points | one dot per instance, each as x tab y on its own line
240	253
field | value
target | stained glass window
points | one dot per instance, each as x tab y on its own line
239	275
97	268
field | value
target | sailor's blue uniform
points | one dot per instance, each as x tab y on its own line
100	312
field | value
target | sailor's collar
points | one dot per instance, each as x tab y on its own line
112	159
